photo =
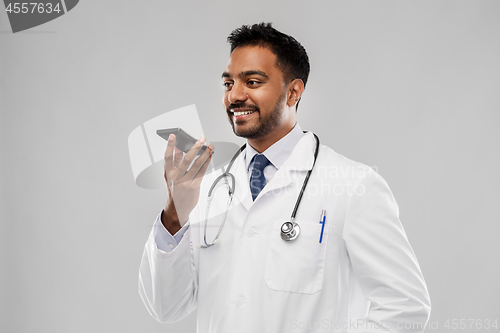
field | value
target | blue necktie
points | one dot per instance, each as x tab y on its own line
257	180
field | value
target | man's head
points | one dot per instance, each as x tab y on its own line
264	80
291	56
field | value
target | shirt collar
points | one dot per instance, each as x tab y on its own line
279	152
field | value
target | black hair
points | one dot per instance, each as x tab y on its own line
291	56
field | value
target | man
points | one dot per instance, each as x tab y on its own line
355	271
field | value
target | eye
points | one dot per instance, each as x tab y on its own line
252	82
227	85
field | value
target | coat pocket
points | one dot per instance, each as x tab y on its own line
298	265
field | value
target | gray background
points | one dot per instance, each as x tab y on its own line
411	87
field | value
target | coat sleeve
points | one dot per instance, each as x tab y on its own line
383	261
168	283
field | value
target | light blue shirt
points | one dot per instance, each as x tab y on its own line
277	154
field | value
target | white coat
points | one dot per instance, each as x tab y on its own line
362	277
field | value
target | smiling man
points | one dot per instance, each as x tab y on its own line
311	240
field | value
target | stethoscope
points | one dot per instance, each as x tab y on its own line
290	230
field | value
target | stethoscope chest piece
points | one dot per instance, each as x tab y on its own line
290	231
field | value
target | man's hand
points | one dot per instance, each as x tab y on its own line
183	185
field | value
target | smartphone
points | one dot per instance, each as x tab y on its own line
183	141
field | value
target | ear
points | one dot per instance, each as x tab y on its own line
295	90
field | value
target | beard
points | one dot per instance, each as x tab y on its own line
265	124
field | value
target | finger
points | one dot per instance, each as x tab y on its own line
190	156
178	154
193	170
201	164
201	172
169	157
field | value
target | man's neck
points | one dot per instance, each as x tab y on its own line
261	145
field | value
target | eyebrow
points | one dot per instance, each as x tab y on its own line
246	73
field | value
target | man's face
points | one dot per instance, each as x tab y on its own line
255	92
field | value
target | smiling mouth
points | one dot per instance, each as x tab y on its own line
241	113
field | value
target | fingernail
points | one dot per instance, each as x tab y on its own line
170	137
203	140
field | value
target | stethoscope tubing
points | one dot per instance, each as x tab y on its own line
306	180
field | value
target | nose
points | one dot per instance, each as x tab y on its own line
237	94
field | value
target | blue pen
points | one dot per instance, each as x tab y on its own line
322	221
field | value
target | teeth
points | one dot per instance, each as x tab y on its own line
240	113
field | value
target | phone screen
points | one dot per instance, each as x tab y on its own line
183	140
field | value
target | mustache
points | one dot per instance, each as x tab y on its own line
234	106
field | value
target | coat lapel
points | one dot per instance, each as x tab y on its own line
242	191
